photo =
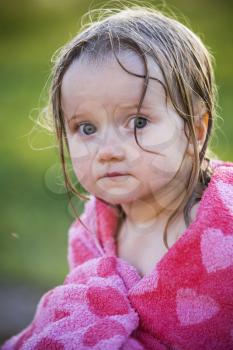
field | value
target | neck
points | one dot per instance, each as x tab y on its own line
148	213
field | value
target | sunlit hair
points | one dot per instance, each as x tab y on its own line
186	66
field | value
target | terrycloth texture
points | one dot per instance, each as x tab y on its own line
185	303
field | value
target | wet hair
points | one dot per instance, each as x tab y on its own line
186	66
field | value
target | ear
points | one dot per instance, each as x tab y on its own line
201	127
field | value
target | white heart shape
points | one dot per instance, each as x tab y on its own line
216	250
226	194
192	308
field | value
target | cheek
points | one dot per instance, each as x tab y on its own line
81	157
165	140
80	168
78	149
164	166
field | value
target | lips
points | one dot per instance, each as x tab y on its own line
114	174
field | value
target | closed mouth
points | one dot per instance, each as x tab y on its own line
115	174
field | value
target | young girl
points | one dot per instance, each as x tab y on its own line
151	260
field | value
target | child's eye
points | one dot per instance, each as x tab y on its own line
86	128
139	122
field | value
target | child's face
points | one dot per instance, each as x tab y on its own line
103	99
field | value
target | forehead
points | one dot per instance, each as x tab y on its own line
106	82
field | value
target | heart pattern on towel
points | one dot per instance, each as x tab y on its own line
192	308
226	194
220	256
105	304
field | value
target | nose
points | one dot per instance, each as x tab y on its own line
111	149
109	153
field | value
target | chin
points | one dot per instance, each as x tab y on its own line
116	198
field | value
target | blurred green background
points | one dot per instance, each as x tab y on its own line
34	216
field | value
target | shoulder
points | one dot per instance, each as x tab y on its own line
222	173
220	165
87	217
217	203
82	236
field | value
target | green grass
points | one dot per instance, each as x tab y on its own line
34	220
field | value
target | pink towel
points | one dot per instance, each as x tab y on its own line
185	303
